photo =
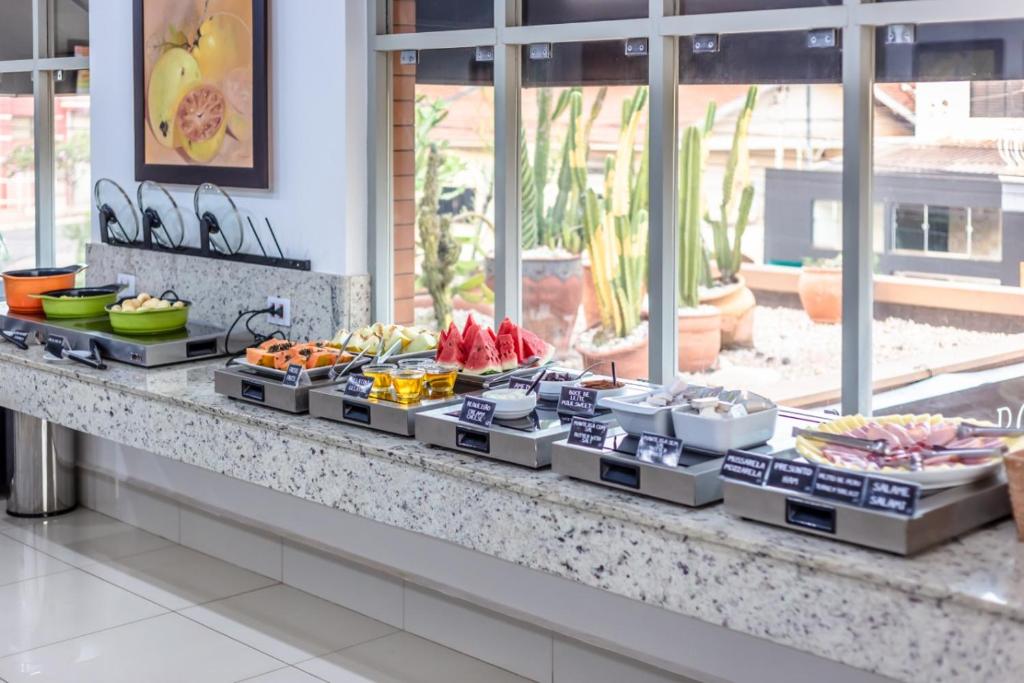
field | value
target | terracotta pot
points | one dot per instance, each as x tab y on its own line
700	338
737	305
630	361
821	293
591	310
552	293
1015	476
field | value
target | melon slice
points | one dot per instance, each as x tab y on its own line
483	357
507	352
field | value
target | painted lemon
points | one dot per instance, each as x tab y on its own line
201	122
222	43
174	73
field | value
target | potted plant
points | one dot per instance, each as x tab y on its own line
553	281
821	289
700	326
727	290
615	238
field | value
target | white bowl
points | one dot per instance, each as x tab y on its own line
552	390
636	419
511	404
720	434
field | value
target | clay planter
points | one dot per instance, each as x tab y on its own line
552	293
737	304
821	293
630	361
700	338
591	310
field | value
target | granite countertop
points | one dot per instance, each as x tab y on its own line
820	596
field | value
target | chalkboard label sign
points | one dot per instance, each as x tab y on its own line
359	386
477	411
55	345
659	449
587	433
578	401
746	467
834	484
519	383
293	375
792	476
887	495
20	335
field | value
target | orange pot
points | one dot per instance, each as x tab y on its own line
821	293
19	284
700	338
630	361
737	304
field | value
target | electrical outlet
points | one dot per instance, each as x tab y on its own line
129	281
282	316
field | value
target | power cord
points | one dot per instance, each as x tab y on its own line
257	337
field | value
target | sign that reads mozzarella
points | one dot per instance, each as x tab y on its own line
746	467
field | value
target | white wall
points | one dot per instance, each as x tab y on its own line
317	199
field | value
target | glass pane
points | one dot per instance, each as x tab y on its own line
537	12
827	228
16	29
71	28
72	196
584	204
760	187
949	120
17	184
415	16
712	6
443	187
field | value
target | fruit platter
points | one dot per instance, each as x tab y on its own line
481	354
930	450
371	338
272	357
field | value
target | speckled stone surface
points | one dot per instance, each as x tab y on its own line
952	614
320	302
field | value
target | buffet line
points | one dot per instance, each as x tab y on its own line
896	483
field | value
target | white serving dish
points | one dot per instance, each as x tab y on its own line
636	419
720	434
511	408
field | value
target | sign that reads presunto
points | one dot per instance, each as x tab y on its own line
746	467
792	476
587	433
578	401
477	411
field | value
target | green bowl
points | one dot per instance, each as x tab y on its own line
157	321
79	302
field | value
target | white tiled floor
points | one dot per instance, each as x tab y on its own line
87	598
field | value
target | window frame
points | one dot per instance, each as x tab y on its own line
45	71
858	19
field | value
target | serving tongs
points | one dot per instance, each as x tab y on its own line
967	430
527	366
874	446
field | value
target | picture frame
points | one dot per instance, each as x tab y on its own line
181	154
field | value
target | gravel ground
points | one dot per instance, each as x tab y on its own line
788	346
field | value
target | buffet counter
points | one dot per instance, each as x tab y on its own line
953	613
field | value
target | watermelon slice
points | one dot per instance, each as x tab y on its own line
493	336
507	352
449	351
506	327
468	335
483	357
532	344
517	340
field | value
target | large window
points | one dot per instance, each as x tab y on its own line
44	133
617	173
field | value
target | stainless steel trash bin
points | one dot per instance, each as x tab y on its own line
41	466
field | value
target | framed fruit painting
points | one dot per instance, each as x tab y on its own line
201	92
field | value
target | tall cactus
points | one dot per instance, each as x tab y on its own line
439	246
728	253
615	228
691	252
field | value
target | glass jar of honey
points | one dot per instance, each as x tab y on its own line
407	384
381	375
440	379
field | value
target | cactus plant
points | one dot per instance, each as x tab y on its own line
728	254
440	249
615	228
691	252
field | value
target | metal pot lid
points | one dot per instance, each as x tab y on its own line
116	211
215	208
43	272
161	214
